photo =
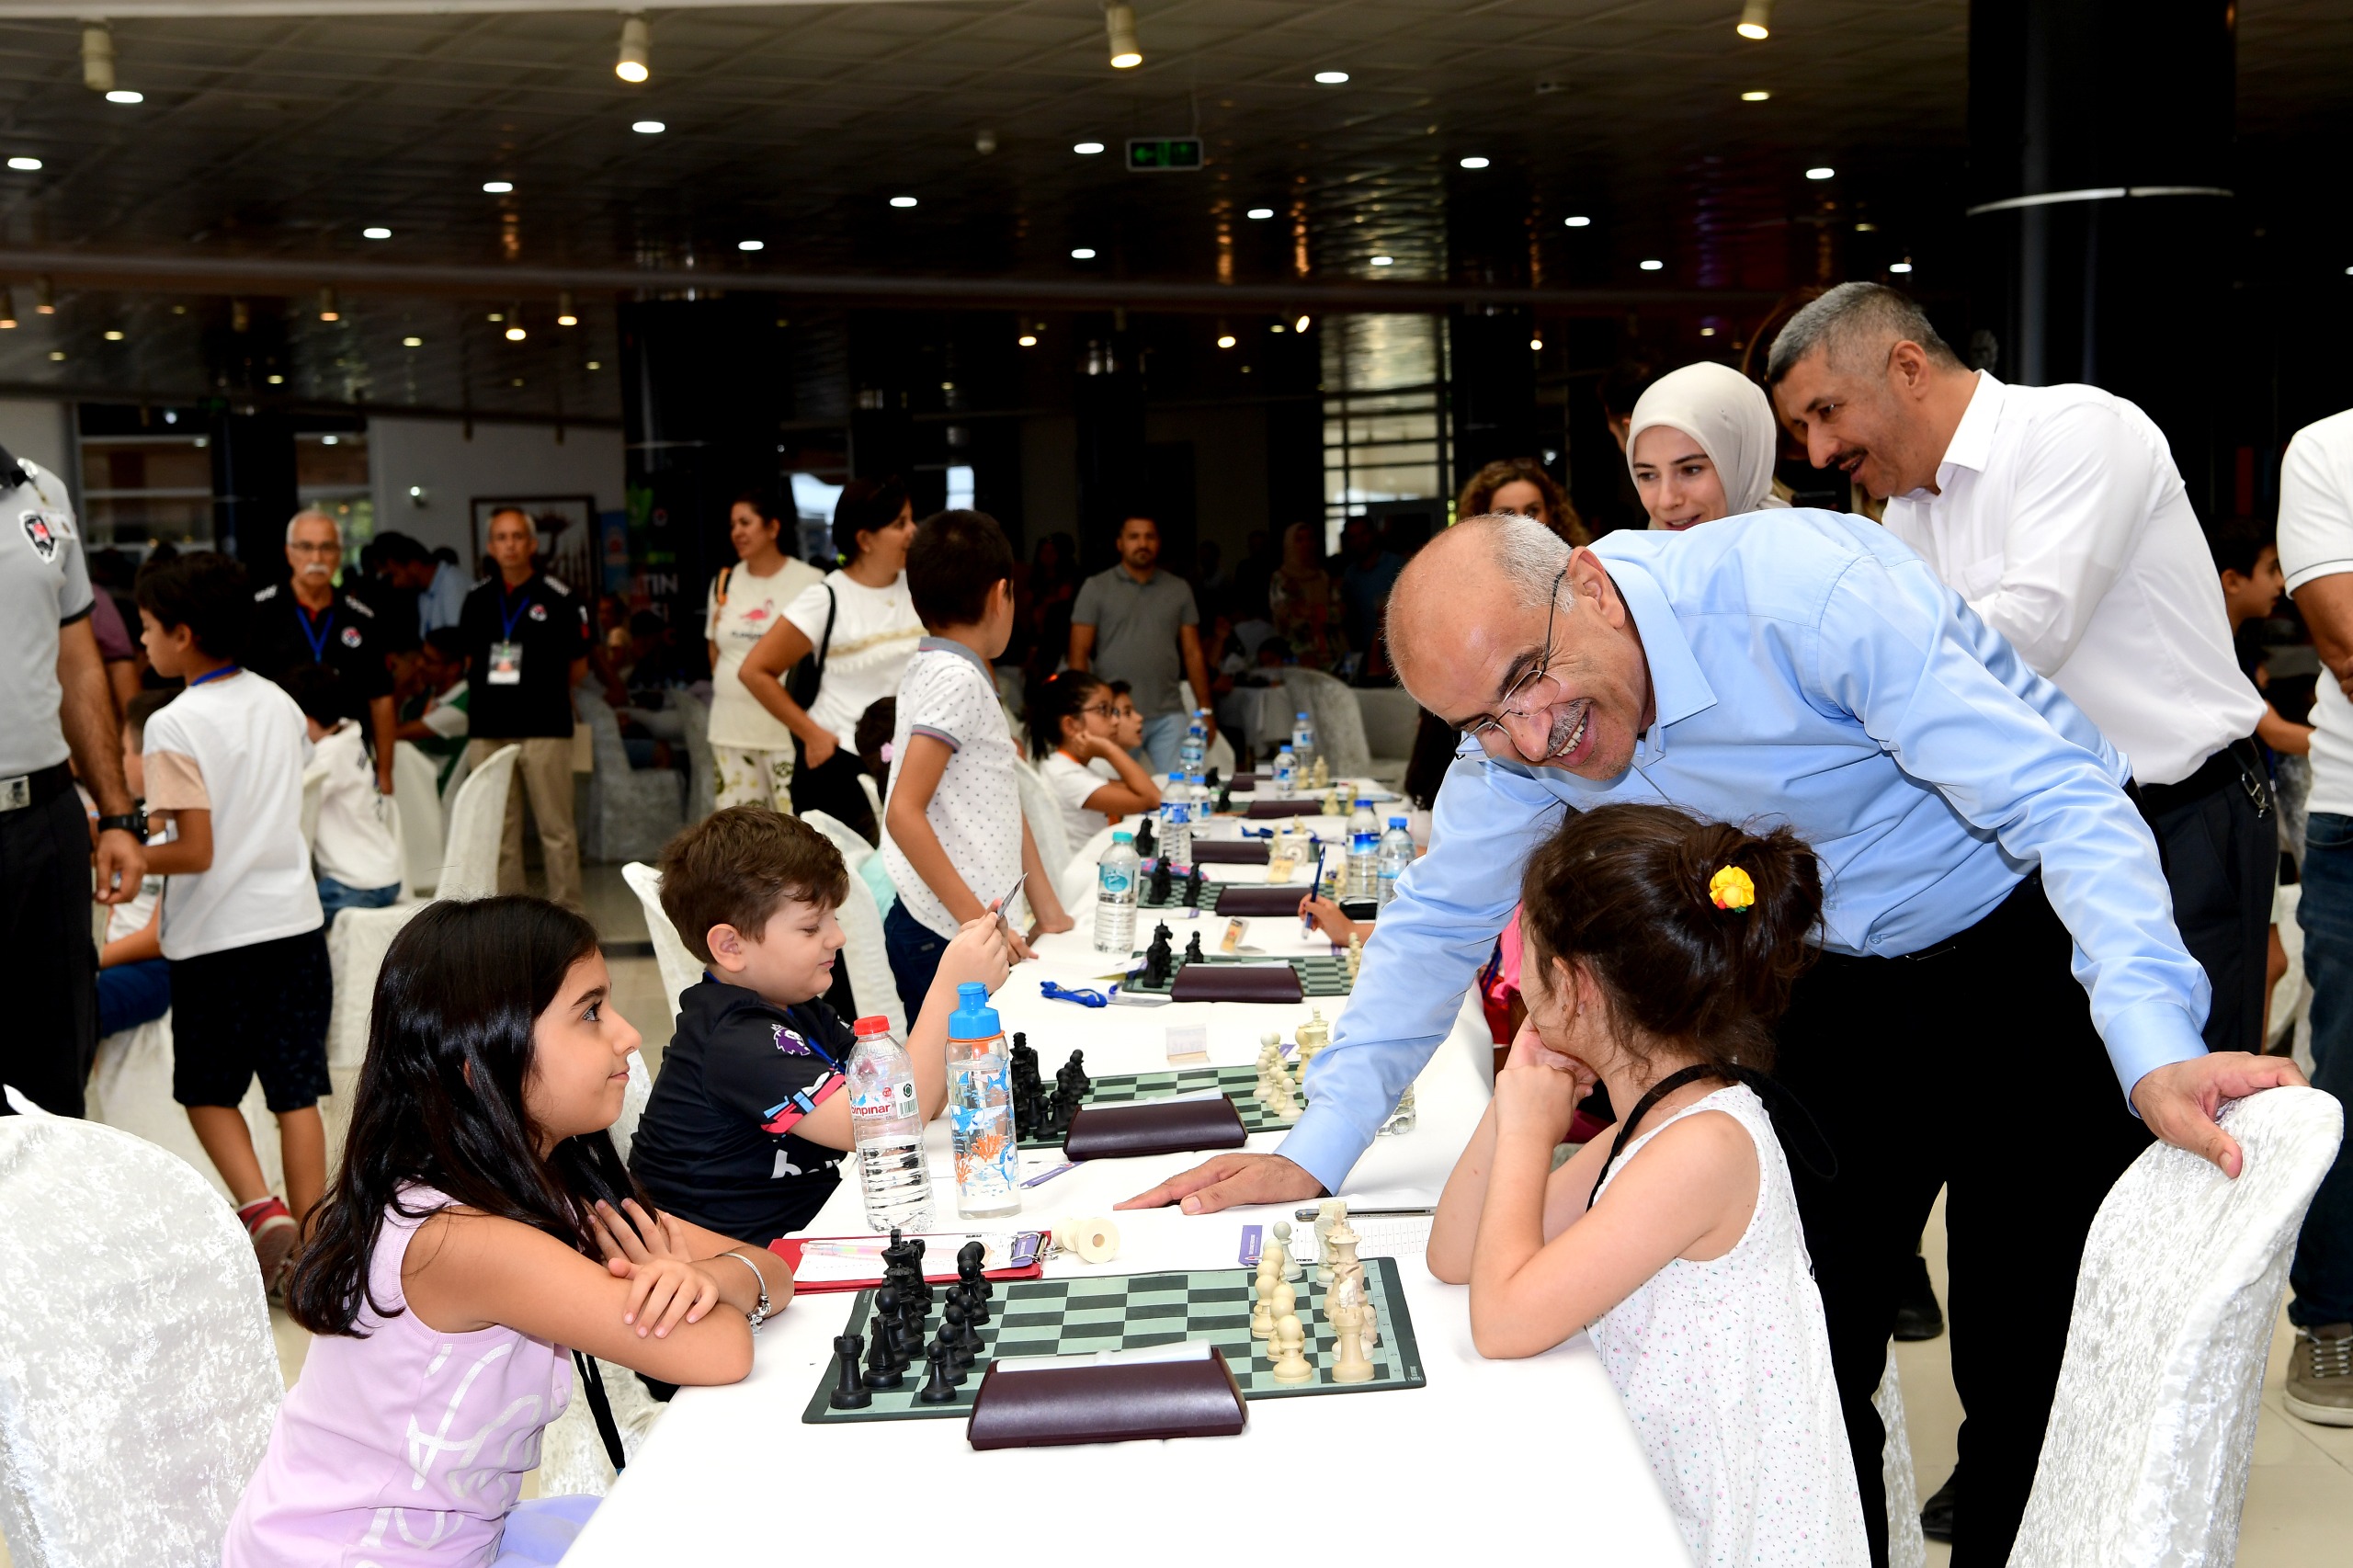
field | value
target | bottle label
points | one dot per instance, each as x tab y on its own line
1116	882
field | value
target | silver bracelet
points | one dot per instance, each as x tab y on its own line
760	1313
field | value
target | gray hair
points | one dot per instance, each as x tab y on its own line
1853	316
322	516
497	512
1529	555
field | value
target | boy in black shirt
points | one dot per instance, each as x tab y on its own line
749	1117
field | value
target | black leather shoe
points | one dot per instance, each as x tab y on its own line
1917	1316
1935	1515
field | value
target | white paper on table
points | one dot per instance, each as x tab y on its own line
861	1257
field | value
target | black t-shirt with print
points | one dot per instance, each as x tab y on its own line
551	623
346	637
715	1144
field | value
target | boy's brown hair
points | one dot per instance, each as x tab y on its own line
738	866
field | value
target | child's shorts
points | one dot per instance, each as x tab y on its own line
246	1010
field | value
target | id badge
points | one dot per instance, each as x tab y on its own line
507	663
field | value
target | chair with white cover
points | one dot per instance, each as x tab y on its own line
2145	1460
1044	812
871	986
477	828
873	796
138	1380
1339	721
315	784
130	1088
633	812
417	796
1907	1547
702	768
679	968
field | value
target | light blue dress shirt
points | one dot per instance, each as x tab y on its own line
1809	670
443	603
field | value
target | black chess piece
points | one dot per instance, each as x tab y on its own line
1161	891
958	1335
849	1388
950	1342
1077	1066
883	1367
1159	962
1146	844
976	1304
940	1389
1209	779
1225	799
1195	889
1193	953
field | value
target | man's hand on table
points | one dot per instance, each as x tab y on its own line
1231	1181
2179	1100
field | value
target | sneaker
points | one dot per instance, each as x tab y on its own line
1936	1514
1917	1316
273	1233
2320	1375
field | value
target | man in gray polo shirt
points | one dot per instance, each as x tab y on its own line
53	703
1139	624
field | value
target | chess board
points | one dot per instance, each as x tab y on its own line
1239	1085
1126	1312
1178	889
1319	975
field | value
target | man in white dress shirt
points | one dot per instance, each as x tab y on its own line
2057	514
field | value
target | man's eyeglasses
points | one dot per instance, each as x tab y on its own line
1533	692
304	547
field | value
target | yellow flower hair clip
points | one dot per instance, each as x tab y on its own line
1732	889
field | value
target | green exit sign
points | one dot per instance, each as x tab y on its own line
1158	154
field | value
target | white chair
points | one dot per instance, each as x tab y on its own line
1220	755
679	968
633	812
477	827
872	987
1907	1546
459	771
873	797
571	1451
130	1088
416	795
137	1381
1339	721
702	768
2145	1463
1044	812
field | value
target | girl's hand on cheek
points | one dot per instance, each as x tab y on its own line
1528	1049
1535	1101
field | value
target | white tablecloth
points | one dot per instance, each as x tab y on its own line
1489	1451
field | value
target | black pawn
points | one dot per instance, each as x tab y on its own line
976	1307
1193	950
940	1389
1162	891
960	1318
1195	889
882	1364
951	1334
850	1392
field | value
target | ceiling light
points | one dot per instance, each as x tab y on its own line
97	57
1277	326
1707	332
1755	19
113	335
412	343
497	187
634	64
1820	171
567	314
1899	266
1384	261
1028	340
1754	95
515	333
273	381
1867	228
648	126
751	244
495	315
1654	266
44	296
1579	221
1474	163
124	95
1300	325
903	201
1225	340
378	233
595	364
1259	212
1331	78
984	143
1119	23
28	164
327	311
7	308
1536	345
1086	149
1084	253
327	440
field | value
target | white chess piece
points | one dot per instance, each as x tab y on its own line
1275	1252
1326	1214
1349	1363
1292	1269
1291	1365
1262	1313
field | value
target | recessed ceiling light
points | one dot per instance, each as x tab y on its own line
1536	345
1707	332
1276	326
903	201
1384	261
1300	325
1474	163
497	187
1653	266
1755	19
1028	340
57	356
274	381
1331	78
516	334
1754	95
1225	340
1867	228
114	335
1086	149
1820	171
125	95
596	364
28	164
495	315
327	440
1260	212
648	126
376	234
1579	221
751	244
1899	266
1084	253
635	60
412	343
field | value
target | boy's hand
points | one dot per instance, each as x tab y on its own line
980	953
1328	919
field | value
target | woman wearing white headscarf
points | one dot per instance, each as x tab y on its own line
1701	446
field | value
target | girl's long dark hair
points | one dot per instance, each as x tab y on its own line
440	1099
1060	695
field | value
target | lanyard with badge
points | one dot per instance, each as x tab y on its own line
506	655
317	640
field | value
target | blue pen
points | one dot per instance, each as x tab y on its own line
1314	890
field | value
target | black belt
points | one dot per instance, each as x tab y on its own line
2238	763
35	788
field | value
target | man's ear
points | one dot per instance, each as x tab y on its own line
726	945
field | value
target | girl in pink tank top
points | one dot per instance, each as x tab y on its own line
481	1225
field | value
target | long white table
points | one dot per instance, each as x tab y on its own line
1485	1456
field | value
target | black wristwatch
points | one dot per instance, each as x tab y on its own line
134	823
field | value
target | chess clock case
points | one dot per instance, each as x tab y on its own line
1168	1127
1045	1408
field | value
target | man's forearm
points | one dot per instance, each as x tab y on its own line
2326	605
87	714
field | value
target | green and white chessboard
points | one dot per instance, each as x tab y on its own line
1319	975
1127	1312
1239	1085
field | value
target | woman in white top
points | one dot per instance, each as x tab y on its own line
861	627
1701	446
751	749
1075	736
1659	951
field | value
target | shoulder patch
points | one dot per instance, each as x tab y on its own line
359	605
555	585
266	595
788	1040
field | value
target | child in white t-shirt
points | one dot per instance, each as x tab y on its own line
355	844
956	835
241	922
1074	735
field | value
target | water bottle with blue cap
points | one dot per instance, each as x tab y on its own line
980	1107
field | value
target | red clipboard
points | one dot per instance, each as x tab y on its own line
788	1249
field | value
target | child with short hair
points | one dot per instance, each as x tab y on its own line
955	834
356	846
134	977
748	1123
1660	950
1128	733
2246	559
251	989
1074	724
482	1227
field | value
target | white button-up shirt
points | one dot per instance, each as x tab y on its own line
2316	540
2059	515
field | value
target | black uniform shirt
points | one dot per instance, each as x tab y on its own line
346	637
549	624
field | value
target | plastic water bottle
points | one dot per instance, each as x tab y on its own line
1194	753
886	1123
1397	854
1204	801
1363	880
1286	773
1115	896
1176	826
980	1107
1302	742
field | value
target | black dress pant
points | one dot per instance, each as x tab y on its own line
2221	858
1972	1066
834	789
48	965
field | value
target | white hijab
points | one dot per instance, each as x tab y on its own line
1727	413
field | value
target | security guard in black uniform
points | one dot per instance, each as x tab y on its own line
53	703
310	620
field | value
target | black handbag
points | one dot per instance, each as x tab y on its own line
802	681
